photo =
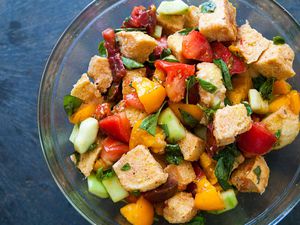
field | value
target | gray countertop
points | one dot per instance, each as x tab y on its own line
28	32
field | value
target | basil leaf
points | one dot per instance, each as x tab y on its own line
173	154
278	134
225	73
188	118
92	146
149	124
71	103
165	52
190	82
136	193
142	29
126	167
186	31
207	86
258	82
102	49
278	40
170	58
257	172
165	129
131	64
101	175
227	101
197	220
248	107
266	88
209	112
208	7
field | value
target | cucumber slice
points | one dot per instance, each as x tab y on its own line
157	31
230	201
114	188
176	7
96	187
87	135
176	131
258	105
74	133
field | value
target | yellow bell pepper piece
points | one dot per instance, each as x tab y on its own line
193	110
151	94
159	76
241	84
294	101
85	111
278	102
207	197
141	137
139	213
281	87
208	165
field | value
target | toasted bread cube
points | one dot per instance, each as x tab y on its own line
100	71
86	91
175	44
285	121
134	115
180	208
136	45
191	147
211	73
219	25
170	24
251	176
250	44
230	122
276	61
131	75
192	17
144	174
182	173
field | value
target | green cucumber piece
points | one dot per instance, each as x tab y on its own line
87	135
96	187
176	7
74	133
157	31
114	188
230	201
176	130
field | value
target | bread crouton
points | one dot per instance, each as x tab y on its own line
175	44
192	17
130	76
134	115
86	91
99	70
219	25
250	44
230	122
251	176
284	121
191	147
136	45
170	23
144	174
180	208
276	61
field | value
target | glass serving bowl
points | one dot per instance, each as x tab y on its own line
70	59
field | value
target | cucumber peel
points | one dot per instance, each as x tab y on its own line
114	188
74	133
96	187
230	201
176	7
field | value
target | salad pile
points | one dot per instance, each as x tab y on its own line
176	112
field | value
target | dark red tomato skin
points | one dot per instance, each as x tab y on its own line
257	141
112	150
161	45
116	126
195	46
198	171
132	100
238	65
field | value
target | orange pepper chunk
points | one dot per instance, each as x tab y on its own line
281	87
207	197
278	102
139	213
208	165
85	111
151	94
294	98
193	110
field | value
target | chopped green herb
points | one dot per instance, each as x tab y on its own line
225	73
130	84
266	88
170	58
71	103
257	172
186	31
208	7
188	119
92	146
136	193
258	81
102	49
156	219
142	29
190	82
248	107
165	129
278	134
131	64
126	167
207	86
165	52
210	112
149	124
101	174
197	220
173	154
278	40
227	101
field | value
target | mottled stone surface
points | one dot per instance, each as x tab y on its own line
28	31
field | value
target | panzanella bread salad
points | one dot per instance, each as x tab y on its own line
176	112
